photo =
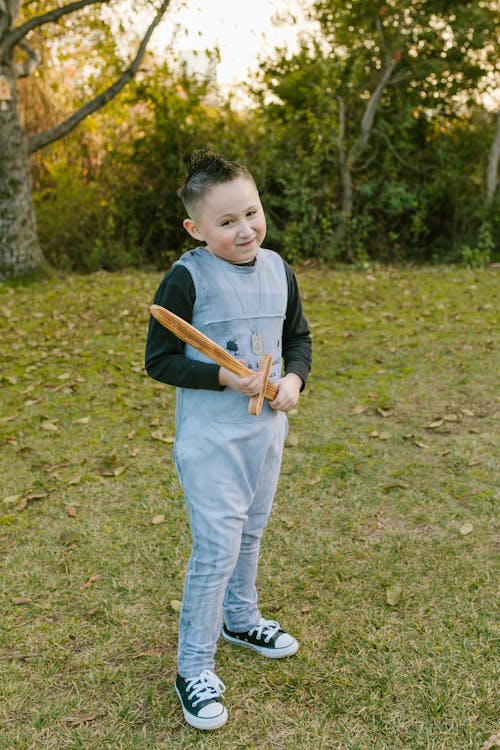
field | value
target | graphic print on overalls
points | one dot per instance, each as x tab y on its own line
232	346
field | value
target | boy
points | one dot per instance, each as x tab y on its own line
246	299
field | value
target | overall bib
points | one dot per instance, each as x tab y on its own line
227	460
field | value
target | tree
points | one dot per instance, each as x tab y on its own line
20	251
369	99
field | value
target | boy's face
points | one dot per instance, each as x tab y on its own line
230	219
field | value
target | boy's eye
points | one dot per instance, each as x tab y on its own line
227	223
252	212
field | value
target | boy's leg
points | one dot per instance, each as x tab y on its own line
241	610
216	541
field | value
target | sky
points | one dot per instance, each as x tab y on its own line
241	29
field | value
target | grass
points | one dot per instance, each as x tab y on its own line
379	556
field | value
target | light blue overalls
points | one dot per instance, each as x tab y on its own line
227	460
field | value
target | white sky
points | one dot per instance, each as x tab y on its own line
241	29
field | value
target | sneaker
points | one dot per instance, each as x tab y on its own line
267	638
200	699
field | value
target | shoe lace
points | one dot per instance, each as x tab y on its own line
204	687
265	629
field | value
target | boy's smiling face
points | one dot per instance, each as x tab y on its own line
230	219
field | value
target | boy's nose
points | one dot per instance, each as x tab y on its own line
245	229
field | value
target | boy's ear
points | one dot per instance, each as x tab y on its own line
192	229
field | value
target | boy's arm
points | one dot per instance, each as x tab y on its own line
165	358
297	346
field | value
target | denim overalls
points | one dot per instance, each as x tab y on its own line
228	461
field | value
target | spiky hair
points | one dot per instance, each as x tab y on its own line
204	170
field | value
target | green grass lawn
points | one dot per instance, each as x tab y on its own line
379	556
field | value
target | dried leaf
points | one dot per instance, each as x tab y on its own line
491	742
82	420
157	519
71	511
384	436
50	426
69	537
20	600
88	583
467	413
420	445
450	418
360	409
176	605
383	412
158	435
11	499
466	528
393	595
435	425
158	654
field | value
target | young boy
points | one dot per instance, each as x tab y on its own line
246	299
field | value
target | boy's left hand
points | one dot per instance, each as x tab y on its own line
288	393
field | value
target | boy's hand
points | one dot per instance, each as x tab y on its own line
249	386
288	392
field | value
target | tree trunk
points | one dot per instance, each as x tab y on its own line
20	253
492	170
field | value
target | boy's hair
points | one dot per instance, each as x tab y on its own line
204	170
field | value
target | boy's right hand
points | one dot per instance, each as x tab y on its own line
250	386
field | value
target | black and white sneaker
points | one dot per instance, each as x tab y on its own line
267	638
200	699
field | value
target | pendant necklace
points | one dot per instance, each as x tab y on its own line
257	340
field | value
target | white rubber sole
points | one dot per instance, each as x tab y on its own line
277	653
214	722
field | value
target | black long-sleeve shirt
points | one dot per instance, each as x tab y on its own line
165	357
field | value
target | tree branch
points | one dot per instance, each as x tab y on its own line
15	36
40	140
371	108
33	61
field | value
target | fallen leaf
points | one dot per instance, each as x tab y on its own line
383	412
360	409
147	653
113	472
50	426
88	583
420	445
393	595
450	418
82	420
158	435
157	519
467	413
21	600
12	499
466	528
384	436
176	605
71	511
82	720
435	425
305	609
395	486
69	537
493	741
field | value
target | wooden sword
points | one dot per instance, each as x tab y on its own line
190	335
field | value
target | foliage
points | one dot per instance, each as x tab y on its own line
418	182
377	555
